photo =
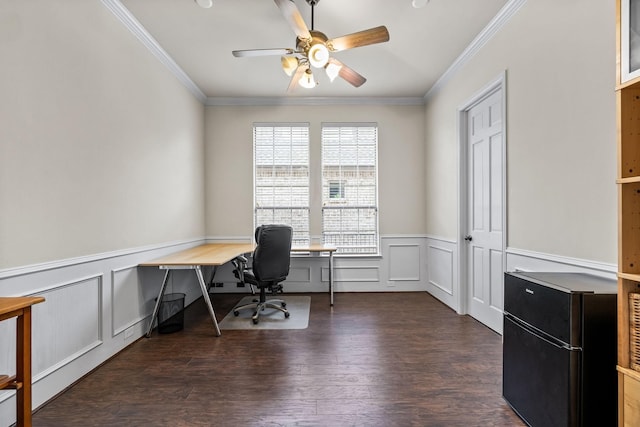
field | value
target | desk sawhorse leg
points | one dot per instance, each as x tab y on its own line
203	288
331	278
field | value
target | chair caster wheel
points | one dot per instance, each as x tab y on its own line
284	305
255	321
236	313
286	315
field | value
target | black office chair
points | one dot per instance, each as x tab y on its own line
270	266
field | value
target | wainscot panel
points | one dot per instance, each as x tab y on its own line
442	270
130	304
404	262
94	307
99	304
401	266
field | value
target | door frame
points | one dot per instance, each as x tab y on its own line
463	209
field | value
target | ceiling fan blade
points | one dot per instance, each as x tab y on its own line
296	78
294	18
350	75
262	52
361	38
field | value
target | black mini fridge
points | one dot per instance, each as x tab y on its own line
559	349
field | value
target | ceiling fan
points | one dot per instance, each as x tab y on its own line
313	48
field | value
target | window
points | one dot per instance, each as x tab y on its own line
281	186
336	190
349	187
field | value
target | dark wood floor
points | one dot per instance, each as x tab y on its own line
375	359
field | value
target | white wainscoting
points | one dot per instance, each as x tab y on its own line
97	305
401	266
442	267
130	303
443	270
94	307
523	260
404	262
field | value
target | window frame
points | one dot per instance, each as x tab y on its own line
343	204
301	237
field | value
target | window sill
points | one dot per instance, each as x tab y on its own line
335	255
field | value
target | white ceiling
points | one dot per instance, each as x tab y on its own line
423	44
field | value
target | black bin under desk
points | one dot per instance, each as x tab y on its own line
559	349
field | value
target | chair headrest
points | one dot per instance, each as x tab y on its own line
271	257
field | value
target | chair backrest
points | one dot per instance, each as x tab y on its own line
272	255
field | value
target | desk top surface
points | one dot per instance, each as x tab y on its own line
9	304
209	254
220	253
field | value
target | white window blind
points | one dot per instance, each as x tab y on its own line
281	187
350	187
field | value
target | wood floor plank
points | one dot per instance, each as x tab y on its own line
374	359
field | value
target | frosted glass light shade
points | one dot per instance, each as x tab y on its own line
332	69
307	81
289	64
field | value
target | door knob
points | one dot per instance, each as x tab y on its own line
468	238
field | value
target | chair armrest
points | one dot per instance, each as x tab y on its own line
239	265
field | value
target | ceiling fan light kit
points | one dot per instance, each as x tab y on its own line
206	4
313	49
318	55
317	52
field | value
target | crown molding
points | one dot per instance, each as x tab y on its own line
133	25
130	21
498	21
257	101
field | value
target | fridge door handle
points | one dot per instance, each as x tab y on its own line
535	333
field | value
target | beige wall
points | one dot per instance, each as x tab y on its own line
229	163
560	63
100	146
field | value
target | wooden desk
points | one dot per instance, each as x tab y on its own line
20	307
217	254
214	254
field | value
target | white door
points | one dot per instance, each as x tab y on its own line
484	243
